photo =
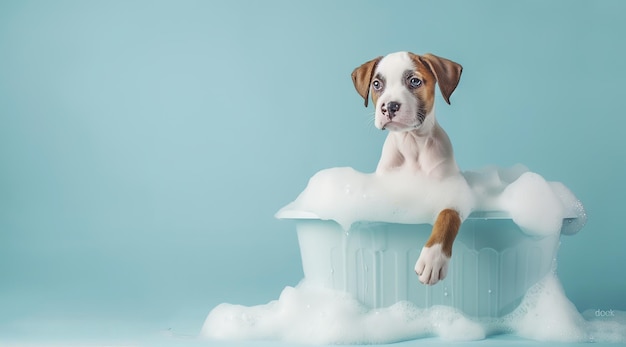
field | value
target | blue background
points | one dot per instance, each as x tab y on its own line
146	145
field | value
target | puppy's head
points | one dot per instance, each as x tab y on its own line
402	86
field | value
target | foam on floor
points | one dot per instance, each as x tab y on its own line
312	315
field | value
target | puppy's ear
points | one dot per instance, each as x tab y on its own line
447	73
362	77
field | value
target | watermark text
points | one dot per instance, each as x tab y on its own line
605	313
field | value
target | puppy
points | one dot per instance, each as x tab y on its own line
402	87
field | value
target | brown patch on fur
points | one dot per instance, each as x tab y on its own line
375	96
445	230
376	93
447	73
425	93
362	77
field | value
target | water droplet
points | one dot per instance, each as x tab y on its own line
445	294
489	291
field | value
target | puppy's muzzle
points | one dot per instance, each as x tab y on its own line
390	109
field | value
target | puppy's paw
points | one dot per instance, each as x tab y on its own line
432	265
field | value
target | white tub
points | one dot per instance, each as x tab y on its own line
493	261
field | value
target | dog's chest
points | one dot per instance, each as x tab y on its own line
419	154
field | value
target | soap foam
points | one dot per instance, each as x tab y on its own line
546	314
312	315
533	205
347	196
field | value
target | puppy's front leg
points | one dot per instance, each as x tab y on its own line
432	264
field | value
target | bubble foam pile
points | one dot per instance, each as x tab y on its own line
312	315
347	196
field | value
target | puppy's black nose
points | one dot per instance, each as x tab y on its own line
393	107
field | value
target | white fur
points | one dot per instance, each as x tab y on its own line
414	146
432	265
410	144
392	67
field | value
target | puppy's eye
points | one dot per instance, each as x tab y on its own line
415	82
377	85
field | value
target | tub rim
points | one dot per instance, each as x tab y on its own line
569	226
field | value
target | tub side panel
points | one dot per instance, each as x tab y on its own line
321	249
493	264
